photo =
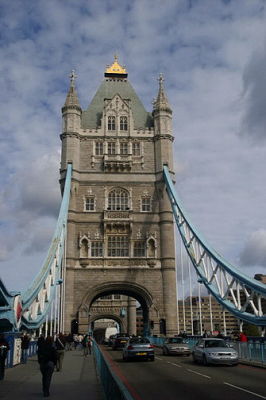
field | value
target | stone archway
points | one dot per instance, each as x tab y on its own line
133	290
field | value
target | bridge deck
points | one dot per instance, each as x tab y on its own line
77	379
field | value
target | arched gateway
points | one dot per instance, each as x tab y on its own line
120	224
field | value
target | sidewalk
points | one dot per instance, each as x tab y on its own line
76	381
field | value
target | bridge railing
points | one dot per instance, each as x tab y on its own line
112	385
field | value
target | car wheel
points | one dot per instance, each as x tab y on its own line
152	358
204	361
194	358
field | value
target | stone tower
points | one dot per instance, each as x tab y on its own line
120	236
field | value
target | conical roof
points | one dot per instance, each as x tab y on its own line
108	89
72	96
161	103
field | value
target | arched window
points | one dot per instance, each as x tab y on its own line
123	123
118	199
111	123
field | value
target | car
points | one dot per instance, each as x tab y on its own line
176	345
138	347
120	341
112	339
214	351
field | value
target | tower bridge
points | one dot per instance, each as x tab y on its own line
115	231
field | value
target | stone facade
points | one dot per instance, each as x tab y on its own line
120	225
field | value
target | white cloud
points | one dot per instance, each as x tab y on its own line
254	251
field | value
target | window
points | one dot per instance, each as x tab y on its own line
111	123
117	296
139	248
136	148
146	204
118	246
99	148
123	123
90	203
96	249
107	297
111	148
118	200
123	148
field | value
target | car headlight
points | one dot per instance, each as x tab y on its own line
212	354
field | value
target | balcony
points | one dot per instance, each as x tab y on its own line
119	221
117	163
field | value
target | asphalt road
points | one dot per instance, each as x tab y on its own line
175	377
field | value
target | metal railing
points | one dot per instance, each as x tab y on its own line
112	385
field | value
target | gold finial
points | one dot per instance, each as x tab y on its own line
115	68
72	77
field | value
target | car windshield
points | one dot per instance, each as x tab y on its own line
215	343
139	340
175	340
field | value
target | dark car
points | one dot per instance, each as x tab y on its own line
138	347
214	351
120	341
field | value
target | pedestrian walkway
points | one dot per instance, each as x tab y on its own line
76	381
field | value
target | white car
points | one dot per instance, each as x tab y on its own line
214	351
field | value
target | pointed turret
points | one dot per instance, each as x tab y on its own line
71	114
162	114
72	100
161	103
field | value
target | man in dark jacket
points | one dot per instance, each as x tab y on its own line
25	343
47	359
4	347
60	350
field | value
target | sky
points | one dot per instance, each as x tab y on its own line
213	57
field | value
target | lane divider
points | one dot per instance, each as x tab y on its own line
245	390
176	365
198	373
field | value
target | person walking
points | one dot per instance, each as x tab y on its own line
60	350
86	343
25	343
4	347
47	358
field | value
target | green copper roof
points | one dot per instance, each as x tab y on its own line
108	89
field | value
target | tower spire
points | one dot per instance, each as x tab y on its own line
161	103
72	96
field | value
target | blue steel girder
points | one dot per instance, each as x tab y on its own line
235	291
37	300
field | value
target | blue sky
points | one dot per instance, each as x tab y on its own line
213	56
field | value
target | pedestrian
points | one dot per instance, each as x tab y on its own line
25	343
60	350
4	347
86	343
243	345
205	334
47	359
69	341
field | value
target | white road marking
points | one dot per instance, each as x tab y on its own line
158	358
177	365
245	390
198	373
